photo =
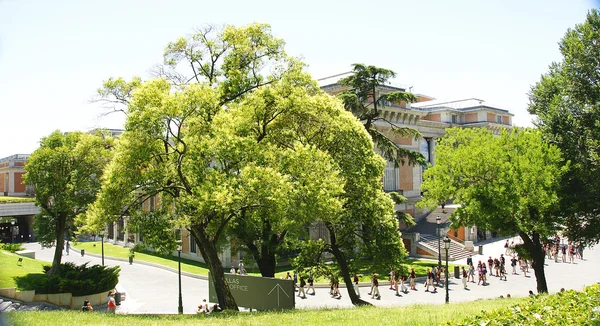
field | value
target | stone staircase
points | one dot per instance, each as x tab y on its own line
429	242
8	305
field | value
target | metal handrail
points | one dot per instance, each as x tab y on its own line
455	239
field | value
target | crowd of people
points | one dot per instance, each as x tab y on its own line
484	269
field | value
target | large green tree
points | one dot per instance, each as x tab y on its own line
279	128
365	232
220	149
566	102
507	183
65	172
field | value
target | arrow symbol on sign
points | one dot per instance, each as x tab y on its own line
279	289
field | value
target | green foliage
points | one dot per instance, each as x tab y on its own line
564	308
507	183
12	247
78	280
365	98
178	150
65	171
566	102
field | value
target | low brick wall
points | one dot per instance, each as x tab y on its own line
59	299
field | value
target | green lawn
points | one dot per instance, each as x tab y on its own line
110	250
421	266
7	200
407	315
10	269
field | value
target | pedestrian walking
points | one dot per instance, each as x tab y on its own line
295	281
403	286
571	253
413	278
375	293
471	273
429	281
112	306
464	277
301	292
336	289
311	282
356	287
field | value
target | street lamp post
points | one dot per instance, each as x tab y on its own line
102	235
447	246
438	219
12	230
180	308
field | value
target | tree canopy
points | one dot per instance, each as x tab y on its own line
566	102
65	172
507	183
365	97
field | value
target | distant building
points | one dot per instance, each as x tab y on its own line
12	171
431	118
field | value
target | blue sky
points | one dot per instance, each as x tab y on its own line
55	54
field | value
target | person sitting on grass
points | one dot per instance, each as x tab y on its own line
87	306
203	308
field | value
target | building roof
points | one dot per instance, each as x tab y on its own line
15	157
458	105
331	82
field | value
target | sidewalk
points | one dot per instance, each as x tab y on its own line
155	290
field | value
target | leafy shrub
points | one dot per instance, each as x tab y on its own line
78	280
564	308
12	247
139	247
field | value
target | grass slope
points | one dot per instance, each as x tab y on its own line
9	200
10	269
408	315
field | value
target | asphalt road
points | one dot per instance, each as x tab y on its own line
154	290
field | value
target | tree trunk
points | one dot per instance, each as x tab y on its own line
265	257
341	260
60	235
535	249
267	264
217	274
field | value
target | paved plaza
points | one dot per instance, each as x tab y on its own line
155	290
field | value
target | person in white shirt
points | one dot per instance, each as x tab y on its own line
203	308
232	270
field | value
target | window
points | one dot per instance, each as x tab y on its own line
454	118
426	151
390	177
499	119
152	203
121	229
192	243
